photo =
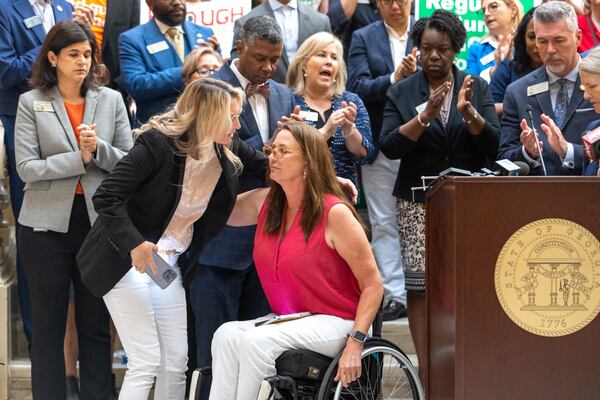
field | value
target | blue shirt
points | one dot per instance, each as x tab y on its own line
505	75
480	58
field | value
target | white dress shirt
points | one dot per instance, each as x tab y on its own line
43	8
397	46
287	19
257	102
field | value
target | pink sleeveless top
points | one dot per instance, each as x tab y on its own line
300	276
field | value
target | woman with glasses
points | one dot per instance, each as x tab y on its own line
437	118
200	63
171	194
317	76
312	256
501	18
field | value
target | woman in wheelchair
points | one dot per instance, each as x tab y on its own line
312	255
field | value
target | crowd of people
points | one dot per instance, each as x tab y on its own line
128	141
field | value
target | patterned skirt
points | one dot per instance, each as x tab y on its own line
411	227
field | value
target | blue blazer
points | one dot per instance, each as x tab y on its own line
476	52
232	248
370	66
151	69
19	47
579	114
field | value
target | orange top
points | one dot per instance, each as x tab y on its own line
75	113
99	9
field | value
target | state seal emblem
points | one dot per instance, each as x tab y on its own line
547	277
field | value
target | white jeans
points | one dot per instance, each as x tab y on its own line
152	325
378	180
243	355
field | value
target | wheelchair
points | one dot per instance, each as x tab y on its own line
386	373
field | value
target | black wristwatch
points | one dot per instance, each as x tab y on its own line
359	336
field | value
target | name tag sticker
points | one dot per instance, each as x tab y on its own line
43	106
537	88
157	47
33	21
421	107
485	60
309	116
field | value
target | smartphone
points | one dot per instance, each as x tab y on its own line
166	274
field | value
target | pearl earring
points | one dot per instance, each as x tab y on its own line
53	65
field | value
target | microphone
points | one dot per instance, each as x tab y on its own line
591	143
510	168
537	142
524	168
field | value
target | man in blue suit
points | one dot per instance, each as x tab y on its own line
225	286
380	55
152	56
553	90
23	27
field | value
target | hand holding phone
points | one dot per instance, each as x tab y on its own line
165	274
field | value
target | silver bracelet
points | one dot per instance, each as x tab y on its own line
354	132
421	122
469	122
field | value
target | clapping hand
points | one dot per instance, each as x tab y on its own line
407	67
556	140
84	13
463	104
212	42
347	124
504	50
88	142
528	138
293	117
435	102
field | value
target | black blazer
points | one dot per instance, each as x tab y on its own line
137	200
439	147
121	15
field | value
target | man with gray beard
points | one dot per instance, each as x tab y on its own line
553	95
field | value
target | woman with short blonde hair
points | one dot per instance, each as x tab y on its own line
317	76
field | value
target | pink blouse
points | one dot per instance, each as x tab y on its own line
300	276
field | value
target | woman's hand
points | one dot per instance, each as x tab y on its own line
349	367
504	50
463	104
141	257
335	119
347	124
435	102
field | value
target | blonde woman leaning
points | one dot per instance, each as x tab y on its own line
171	194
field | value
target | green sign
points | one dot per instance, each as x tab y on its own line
467	12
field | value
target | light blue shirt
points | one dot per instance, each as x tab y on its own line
287	19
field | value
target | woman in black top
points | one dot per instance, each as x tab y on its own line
435	119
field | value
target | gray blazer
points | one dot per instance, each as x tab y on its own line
309	23
48	157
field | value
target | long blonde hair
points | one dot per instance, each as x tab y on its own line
202	109
295	79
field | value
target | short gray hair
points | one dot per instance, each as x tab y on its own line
261	27
591	62
553	12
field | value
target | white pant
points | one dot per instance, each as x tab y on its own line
243	355
378	181
152	325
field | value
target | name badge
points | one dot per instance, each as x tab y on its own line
537	88
33	21
485	60
43	106
421	107
157	47
199	37
309	116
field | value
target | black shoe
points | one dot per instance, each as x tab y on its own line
72	388
394	310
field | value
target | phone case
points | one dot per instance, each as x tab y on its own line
166	274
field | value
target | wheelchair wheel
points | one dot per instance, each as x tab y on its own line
387	373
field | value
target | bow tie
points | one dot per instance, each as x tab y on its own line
253	88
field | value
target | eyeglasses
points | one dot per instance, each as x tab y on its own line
276	151
492	8
236	116
205	71
388	3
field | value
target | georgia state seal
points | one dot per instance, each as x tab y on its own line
547	277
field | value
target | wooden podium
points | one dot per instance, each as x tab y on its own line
475	351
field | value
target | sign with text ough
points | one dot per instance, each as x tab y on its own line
467	11
218	15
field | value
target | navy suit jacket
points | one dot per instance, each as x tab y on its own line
579	114
370	66
232	248
151	73
19	47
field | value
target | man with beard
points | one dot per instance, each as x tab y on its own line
225	286
152	56
550	92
